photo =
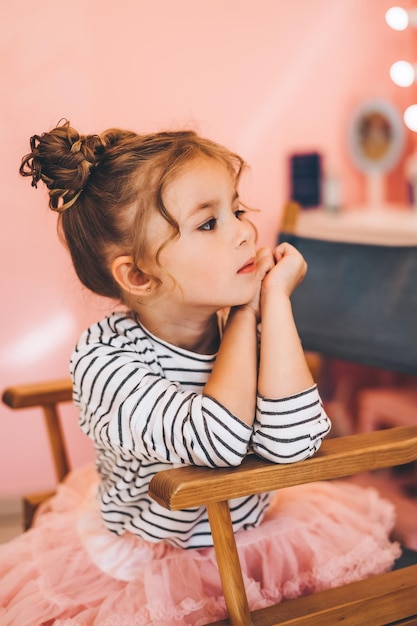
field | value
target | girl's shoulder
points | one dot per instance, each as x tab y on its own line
118	329
116	339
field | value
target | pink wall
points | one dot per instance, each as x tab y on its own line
265	77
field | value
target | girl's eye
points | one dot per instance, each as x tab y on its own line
239	212
209	225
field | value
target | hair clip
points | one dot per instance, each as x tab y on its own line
33	140
34	167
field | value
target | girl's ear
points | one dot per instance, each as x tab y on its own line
129	277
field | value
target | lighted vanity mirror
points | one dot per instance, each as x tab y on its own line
376	137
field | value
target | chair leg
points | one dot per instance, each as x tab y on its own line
228	563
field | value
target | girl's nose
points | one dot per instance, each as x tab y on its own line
246	232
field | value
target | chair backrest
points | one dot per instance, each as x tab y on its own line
358	302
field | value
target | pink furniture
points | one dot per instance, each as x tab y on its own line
386	407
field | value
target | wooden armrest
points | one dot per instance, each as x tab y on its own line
191	486
46	396
38	394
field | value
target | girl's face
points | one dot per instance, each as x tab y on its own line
213	260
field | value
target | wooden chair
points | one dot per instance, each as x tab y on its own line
389	598
382	599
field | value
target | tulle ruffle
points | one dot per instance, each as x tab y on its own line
68	570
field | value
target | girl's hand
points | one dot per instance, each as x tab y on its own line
287	272
264	263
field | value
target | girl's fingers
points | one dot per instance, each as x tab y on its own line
264	261
290	268
285	249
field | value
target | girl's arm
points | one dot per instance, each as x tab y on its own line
127	403
283	370
233	381
290	421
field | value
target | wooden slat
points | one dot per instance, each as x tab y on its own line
57	441
379	600
290	217
190	486
38	394
228	562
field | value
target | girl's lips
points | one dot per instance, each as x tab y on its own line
249	267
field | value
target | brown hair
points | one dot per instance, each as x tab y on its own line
95	181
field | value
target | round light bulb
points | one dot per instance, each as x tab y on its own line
410	117
402	73
397	18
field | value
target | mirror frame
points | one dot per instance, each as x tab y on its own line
395	138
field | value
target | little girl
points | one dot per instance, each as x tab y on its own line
179	376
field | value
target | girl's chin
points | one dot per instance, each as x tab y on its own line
239	303
240	300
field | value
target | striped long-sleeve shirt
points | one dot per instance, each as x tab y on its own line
141	402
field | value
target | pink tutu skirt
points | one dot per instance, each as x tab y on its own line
68	570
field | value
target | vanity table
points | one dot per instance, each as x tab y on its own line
387	225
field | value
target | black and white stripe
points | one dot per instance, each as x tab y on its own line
140	401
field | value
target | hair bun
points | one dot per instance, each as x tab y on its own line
90	146
63	159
